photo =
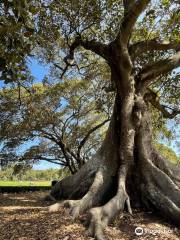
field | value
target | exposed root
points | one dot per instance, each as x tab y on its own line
171	170
55	207
75	186
164	204
162	192
101	216
92	197
158	185
166	185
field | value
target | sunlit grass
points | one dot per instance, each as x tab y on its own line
24	183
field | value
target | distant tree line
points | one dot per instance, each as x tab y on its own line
9	174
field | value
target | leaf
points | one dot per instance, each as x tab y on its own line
34	10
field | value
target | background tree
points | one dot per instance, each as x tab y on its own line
60	120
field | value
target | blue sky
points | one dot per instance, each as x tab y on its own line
38	70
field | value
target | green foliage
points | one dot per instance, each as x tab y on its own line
168	153
47	28
17	36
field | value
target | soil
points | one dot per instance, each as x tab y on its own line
25	216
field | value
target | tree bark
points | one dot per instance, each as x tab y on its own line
159	186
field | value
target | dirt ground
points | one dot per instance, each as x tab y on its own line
24	216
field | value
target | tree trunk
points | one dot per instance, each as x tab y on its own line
107	182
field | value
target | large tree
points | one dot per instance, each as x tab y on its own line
139	42
126	168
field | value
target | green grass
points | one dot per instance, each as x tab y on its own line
24	183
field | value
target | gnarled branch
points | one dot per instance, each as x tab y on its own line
83	141
65	150
154	100
54	160
150	45
92	45
130	19
150	73
127	5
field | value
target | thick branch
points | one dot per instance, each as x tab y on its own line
127	5
65	153
96	47
40	157
154	100
92	45
144	46
64	149
51	160
88	135
150	73
130	19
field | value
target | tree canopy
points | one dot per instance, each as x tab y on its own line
55	33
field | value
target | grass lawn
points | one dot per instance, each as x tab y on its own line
24	183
